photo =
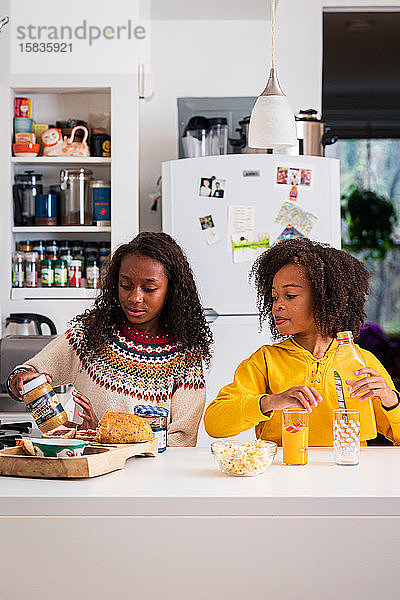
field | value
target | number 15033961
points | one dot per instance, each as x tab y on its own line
45	47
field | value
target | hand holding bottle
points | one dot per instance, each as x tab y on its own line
372	385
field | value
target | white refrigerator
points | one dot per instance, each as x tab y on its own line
224	211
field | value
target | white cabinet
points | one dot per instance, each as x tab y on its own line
61	97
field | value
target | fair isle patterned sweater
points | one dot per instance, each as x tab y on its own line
133	368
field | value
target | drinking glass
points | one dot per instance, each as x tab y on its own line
295	425
346	436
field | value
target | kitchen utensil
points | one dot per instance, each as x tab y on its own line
46	209
76	199
241	143
218	136
196	137
312	133
25	189
96	460
27	324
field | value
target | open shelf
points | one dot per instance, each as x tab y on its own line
53	293
61	160
62	229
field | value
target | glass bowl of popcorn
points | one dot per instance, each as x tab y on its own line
243	459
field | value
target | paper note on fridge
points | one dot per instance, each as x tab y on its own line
297	216
247	246
240	220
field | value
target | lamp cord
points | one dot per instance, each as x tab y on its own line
273	33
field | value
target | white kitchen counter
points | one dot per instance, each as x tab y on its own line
186	481
175	527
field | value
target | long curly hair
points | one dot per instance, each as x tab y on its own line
182	316
339	282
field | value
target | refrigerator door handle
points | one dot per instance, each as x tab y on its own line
211	315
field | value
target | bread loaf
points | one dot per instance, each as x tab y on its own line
123	428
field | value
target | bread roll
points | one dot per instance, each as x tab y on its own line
123	428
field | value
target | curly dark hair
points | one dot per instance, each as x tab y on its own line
339	284
182	317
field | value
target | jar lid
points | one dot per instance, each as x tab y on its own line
75	263
34	383
148	410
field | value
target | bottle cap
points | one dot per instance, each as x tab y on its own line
34	383
344	335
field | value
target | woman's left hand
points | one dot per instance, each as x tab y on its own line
90	421
373	386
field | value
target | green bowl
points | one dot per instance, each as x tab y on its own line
59	448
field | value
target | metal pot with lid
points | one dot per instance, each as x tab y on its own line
312	133
76	199
25	189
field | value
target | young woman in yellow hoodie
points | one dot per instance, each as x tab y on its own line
308	292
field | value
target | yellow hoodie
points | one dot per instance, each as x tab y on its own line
274	369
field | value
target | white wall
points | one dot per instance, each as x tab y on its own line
229	58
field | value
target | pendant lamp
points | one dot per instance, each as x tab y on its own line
272	122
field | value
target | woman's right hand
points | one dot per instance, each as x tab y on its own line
19	379
299	397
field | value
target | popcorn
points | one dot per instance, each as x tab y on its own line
249	458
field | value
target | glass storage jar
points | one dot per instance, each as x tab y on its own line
31	269
76	197
157	418
18	273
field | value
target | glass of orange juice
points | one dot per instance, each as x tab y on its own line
295	436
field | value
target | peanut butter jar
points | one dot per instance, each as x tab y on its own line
43	404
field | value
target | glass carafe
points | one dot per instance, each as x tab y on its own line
76	199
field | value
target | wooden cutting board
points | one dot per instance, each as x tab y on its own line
97	460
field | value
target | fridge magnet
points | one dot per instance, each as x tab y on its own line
293	193
206	186
305	177
247	246
297	216
294	176
241	220
255	173
209	231
282	175
218	188
289	233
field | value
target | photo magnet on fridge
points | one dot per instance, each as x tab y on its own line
209	232
218	188
305	177
293	193
206	186
282	175
294	176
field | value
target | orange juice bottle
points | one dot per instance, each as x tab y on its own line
346	362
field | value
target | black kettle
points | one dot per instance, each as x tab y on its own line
27	324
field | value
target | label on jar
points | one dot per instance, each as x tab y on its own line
47	276
92	276
161	435
45	408
18	278
60	276
31	277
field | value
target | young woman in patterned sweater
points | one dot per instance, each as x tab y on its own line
143	341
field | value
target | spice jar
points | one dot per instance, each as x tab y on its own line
75	273
157	418
92	272
25	246
43	404
47	270
31	269
52	250
18	273
60	273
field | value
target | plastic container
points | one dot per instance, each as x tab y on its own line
243	459
43	404
47	273
157	418
18	271
61	273
75	274
31	269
